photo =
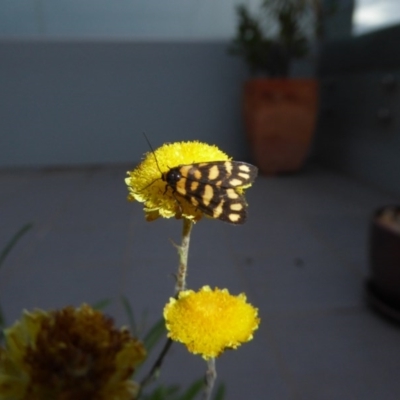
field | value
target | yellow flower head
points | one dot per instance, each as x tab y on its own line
145	183
210	321
69	354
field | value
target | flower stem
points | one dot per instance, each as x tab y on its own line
211	376
183	251
157	365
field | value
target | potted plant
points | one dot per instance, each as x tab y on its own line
383	285
279	113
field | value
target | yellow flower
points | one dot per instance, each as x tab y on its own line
210	321
145	182
69	354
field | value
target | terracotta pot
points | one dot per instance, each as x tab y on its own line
384	251
280	117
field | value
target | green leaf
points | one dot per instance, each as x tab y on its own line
130	314
220	394
162	393
101	304
156	332
4	253
14	241
193	390
2	320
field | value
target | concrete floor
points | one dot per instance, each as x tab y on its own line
301	259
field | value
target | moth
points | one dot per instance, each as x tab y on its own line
212	187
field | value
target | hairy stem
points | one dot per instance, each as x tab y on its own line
211	376
183	251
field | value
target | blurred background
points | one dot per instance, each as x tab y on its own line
81	81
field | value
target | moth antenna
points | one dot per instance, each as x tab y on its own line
152	150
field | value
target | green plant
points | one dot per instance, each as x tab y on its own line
282	33
3	255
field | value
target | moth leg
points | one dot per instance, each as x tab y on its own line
177	202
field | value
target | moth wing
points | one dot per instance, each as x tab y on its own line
211	188
223	173
218	202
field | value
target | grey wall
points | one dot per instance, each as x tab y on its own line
172	19
88	102
359	125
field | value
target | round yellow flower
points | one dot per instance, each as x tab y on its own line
210	321
145	182
69	354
